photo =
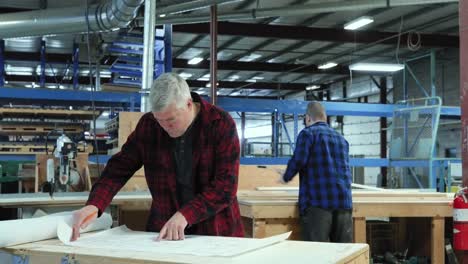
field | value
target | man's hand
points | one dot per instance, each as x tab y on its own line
174	228
82	218
281	174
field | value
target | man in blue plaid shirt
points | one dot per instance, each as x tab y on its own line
322	159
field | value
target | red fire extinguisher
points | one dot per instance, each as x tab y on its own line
460	220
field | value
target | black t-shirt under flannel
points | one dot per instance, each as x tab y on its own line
182	149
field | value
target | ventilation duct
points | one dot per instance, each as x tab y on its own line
294	10
110	15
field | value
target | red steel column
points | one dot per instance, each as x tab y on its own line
463	25
214	53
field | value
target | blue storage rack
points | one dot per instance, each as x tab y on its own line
127	69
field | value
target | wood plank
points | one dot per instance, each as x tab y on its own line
359	224
253	176
31	129
51	113
437	240
259	228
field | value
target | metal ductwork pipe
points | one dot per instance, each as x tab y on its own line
296	10
106	16
193	5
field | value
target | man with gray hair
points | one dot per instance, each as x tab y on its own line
190	151
321	157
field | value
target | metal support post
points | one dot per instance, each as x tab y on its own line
275	140
433	73
291	143
463	7
2	63
213	53
383	130
243	139
296	128
405	85
98	76
43	64
148	52
76	65
167	48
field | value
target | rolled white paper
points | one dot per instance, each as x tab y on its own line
14	232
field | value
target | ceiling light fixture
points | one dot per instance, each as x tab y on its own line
195	60
327	65
250	57
358	23
185	75
312	87
376	67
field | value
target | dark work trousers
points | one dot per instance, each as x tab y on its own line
327	225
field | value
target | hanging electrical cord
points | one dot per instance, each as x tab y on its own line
93	87
397	51
414	46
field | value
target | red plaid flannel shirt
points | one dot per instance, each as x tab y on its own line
215	167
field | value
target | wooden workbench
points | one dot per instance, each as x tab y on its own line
52	251
273	213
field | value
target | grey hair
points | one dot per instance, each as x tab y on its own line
316	111
166	89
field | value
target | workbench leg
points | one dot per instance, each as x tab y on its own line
359	233
259	229
437	241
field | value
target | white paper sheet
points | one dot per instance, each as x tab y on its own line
14	232
126	239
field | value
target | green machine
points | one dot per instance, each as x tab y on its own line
9	171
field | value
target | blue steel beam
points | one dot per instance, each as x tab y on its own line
332	108
67	95
299	107
228	104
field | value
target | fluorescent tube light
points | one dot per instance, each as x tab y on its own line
205	77
312	87
250	57
358	23
376	67
195	60
185	75
327	65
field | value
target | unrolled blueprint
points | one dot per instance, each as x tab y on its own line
126	239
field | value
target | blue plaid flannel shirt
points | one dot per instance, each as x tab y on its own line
321	157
